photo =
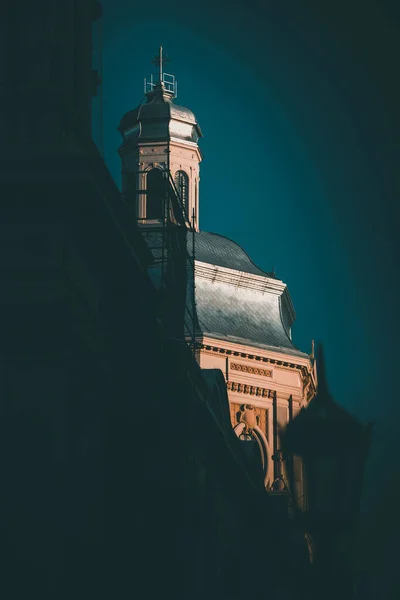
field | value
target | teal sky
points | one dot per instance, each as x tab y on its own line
299	111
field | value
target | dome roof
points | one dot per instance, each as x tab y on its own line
242	315
159	119
239	313
218	250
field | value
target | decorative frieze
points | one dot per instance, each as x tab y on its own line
306	376
251	390
206	349
251	370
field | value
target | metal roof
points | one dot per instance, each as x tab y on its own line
242	315
159	119
238	312
219	250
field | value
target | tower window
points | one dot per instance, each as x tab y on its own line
155	194
182	185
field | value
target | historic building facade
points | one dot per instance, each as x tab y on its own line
120	470
245	316
242	315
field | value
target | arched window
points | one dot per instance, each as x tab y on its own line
155	194
182	185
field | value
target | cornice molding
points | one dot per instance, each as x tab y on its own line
305	371
258	283
208	349
193	146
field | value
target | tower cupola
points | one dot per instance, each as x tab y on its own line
160	138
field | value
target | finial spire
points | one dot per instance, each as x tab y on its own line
166	83
160	60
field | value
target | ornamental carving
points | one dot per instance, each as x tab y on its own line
252	390
251	370
247	415
308	391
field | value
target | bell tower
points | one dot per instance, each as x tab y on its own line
160	140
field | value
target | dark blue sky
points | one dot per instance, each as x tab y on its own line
298	104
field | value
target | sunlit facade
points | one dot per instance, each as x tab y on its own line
244	315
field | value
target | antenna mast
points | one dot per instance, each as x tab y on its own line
161	64
166	81
160	60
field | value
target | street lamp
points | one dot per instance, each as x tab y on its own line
333	446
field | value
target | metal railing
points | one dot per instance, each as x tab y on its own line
171	239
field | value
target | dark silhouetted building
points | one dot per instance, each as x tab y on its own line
141	398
